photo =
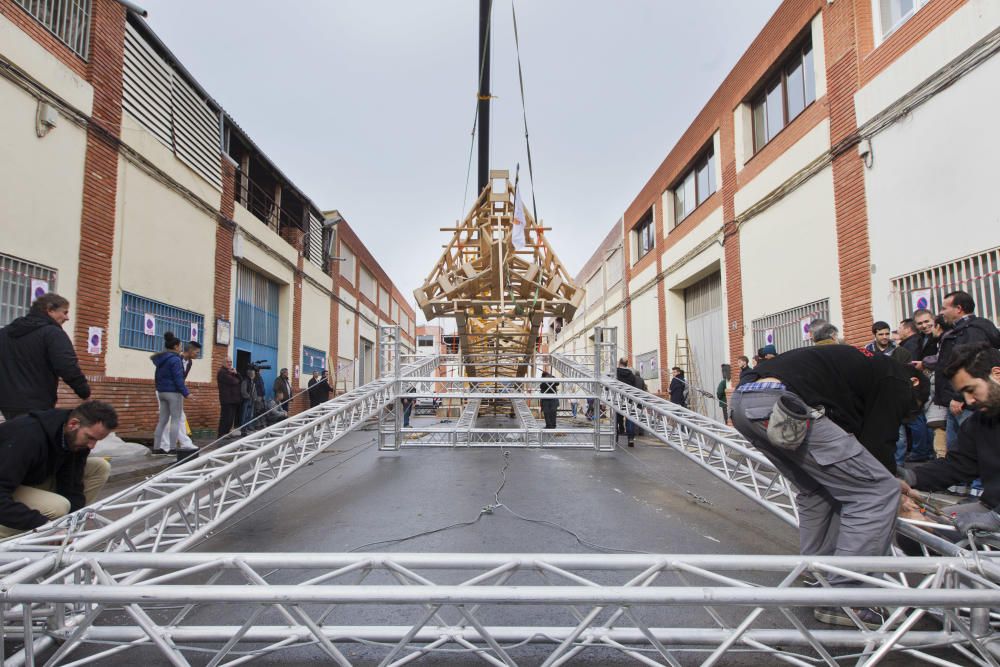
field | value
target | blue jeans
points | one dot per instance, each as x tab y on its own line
407	410
921	437
952	425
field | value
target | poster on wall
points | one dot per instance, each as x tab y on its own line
148	324
645	365
194	331
920	299
39	288
222	332
769	337
95	338
804	327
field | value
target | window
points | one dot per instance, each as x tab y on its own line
614	267
368	285
21	283
890	14
697	185
68	20
784	96
383	301
312	360
144	322
978	274
784	329
347	266
595	289
644	235
425	341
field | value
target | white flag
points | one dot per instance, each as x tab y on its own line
517	233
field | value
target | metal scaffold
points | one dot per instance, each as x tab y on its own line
115	578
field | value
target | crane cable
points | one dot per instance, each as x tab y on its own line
475	118
524	114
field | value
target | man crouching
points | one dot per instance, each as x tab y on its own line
827	417
45	472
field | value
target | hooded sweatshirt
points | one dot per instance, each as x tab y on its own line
169	372
32	450
34	353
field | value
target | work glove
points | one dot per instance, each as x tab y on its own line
988	521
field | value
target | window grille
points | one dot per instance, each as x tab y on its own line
313	360
979	275
786	326
16	276
132	333
256	308
68	20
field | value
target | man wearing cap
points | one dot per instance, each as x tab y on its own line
827	417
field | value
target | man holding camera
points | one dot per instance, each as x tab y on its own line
828	417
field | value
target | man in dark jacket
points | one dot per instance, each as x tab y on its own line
549	405
229	397
958	310
282	390
624	374
847	497
975	373
45	471
319	389
34	353
678	388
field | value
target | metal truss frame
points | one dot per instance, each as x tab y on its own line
656	609
70	581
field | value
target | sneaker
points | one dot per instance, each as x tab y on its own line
160	452
631	443
870	617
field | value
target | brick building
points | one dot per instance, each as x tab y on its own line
842	169
126	188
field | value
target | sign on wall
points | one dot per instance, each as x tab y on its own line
39	288
223	331
95	339
646	366
149	324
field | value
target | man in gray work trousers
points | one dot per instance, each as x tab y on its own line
833	435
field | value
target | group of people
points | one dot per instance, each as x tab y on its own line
829	417
45	467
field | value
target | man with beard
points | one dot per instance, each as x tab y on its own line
974	372
828	417
45	472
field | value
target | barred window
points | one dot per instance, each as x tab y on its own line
21	282
978	274
785	330
144	321
68	20
313	360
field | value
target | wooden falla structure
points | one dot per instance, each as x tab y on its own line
498	293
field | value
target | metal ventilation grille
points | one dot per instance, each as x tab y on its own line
314	241
170	108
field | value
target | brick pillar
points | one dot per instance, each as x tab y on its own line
224	232
661	306
100	180
334	354
301	402
854	254
731	248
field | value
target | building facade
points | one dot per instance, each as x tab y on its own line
841	170
127	189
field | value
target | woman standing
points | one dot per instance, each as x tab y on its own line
678	388
170	392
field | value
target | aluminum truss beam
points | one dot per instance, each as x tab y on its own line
182	504
450	602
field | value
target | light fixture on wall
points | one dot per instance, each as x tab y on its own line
46	118
330	229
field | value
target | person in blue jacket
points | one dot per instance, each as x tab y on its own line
170	392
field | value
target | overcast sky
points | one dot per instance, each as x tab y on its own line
368	105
